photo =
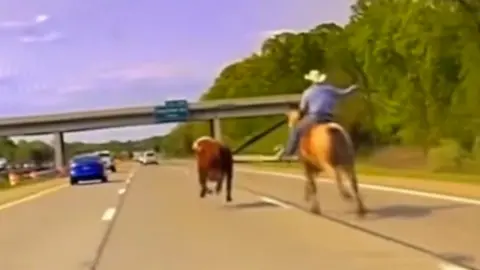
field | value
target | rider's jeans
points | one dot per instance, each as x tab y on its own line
295	134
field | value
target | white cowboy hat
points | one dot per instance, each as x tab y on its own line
315	76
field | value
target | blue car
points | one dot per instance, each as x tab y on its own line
85	168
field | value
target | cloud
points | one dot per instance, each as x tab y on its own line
48	37
134	85
39	19
30	31
266	34
271	33
120	77
147	70
116	94
76	88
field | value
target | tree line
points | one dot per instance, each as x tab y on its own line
21	152
416	63
39	152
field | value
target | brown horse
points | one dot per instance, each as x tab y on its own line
214	163
327	147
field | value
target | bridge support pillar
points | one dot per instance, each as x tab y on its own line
59	146
216	129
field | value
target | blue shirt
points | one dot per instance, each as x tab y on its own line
320	99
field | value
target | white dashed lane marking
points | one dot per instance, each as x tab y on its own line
109	214
275	202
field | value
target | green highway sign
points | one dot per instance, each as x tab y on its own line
172	111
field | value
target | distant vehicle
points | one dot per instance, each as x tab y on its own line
107	159
148	157
87	167
3	164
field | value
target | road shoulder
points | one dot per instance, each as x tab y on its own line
441	187
8	196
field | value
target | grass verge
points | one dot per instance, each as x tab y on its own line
449	184
369	170
28	187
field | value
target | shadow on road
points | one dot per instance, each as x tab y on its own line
89	183
250	205
409	211
458	258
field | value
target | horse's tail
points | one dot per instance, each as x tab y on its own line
343	151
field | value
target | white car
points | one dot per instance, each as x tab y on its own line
107	160
148	157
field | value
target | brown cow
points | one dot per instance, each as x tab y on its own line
214	163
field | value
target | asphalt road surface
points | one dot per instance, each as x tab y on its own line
59	231
159	223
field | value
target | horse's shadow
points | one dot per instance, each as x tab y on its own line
409	211
458	258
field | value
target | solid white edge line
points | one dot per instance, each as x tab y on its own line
36	195
109	214
275	202
430	195
445	266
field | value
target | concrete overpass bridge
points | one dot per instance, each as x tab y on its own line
211	111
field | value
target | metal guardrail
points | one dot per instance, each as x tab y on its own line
254	158
261	158
26	172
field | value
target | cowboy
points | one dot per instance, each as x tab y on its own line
316	106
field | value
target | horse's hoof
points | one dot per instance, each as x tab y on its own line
361	213
346	196
229	199
315	209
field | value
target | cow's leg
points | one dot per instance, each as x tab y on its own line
219	185
202	180
228	176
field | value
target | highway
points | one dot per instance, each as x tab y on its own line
155	220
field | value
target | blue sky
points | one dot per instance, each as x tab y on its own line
66	55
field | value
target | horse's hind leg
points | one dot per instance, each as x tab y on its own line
361	210
311	189
336	174
341	185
